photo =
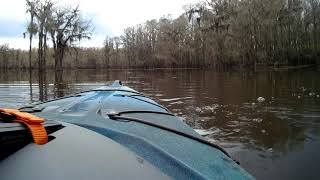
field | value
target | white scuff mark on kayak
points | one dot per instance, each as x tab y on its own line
51	108
261	99
175	99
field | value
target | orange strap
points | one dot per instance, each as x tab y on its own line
33	123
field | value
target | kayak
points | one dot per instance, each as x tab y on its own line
113	132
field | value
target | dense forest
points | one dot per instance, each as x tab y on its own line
210	34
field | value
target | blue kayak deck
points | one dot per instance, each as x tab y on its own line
177	156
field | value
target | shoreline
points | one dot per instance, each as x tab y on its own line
237	68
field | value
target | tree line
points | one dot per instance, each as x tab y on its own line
63	26
210	34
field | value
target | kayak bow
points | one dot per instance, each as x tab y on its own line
115	132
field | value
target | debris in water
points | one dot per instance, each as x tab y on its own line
263	131
236	130
318	96
199	110
204	132
261	99
209	108
312	94
270	150
258	120
299	97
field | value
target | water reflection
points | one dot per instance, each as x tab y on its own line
30	85
271	139
59	84
42	85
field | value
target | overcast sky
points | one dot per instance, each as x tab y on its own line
109	17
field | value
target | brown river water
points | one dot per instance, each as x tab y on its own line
276	139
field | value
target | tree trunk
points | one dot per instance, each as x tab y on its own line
59	84
40	50
41	84
44	51
59	54
31	37
30	51
77	58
